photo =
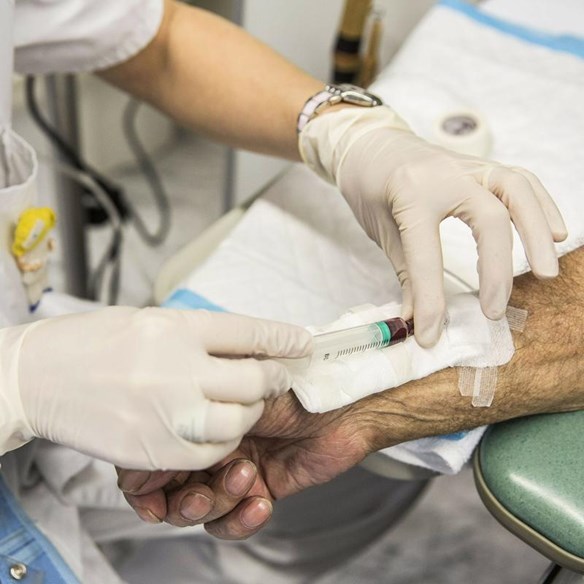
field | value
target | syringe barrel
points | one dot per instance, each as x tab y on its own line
377	335
336	344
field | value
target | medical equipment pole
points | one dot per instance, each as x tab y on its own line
347	54
62	110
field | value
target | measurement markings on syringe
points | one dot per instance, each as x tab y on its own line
359	349
347	342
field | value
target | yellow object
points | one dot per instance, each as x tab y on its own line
32	227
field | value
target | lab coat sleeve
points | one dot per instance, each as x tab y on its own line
54	36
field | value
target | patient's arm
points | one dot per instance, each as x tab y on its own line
292	449
545	374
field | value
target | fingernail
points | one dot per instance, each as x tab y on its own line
131	482
256	514
240	478
147	515
195	506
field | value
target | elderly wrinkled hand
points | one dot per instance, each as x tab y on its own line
144	388
401	187
287	451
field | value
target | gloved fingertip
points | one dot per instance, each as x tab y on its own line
494	304
560	235
494	297
546	270
429	334
494	313
547	274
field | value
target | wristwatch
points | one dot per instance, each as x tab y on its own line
332	95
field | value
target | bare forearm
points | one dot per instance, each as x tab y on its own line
545	374
213	77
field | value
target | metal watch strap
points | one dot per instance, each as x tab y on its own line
332	95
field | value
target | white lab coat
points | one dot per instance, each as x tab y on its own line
53	35
18	169
73	498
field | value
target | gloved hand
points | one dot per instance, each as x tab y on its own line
148	389
401	187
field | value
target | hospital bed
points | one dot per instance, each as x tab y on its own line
529	472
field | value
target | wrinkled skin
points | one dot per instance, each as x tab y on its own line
287	451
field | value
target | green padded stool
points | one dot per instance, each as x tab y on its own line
530	475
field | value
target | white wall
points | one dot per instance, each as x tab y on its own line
304	31
6	57
101	108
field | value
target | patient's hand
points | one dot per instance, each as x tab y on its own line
292	449
287	451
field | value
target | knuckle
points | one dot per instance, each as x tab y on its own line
153	324
495	214
519	171
403	276
260	337
203	319
516	182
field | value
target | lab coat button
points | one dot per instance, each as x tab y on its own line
18	571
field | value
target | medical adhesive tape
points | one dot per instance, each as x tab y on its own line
480	382
464	131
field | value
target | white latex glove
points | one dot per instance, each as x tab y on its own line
401	187
142	388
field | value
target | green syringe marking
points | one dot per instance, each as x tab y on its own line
385	333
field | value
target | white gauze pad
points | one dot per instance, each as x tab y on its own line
469	339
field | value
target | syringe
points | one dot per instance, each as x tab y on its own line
336	344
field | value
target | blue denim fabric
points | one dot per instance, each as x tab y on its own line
22	542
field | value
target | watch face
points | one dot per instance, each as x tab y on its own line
358	96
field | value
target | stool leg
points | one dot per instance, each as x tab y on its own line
557	575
